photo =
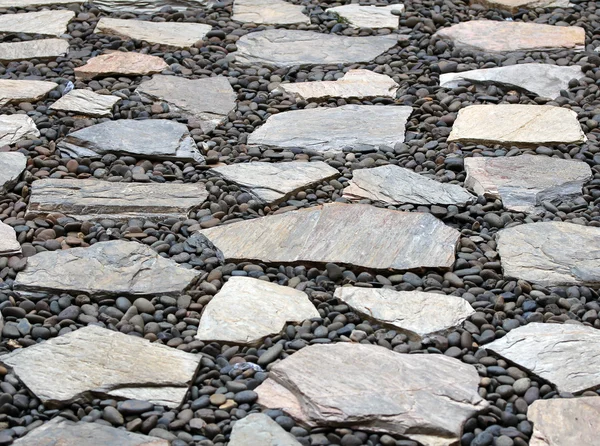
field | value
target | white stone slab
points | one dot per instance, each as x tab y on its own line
47	22
23	91
147	6
369	16
28	3
33	49
268	12
8	241
12	165
86	102
258	429
13	128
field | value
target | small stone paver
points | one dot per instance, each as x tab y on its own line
369	16
86	102
49	23
118	62
33	49
12	165
515	5
13	128
8	240
23	90
268	12
258	429
27	3
146	6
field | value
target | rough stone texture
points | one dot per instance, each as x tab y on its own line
86	102
12	165
415	312
524	182
170	34
207	100
118	62
27	3
284	48
247	310
16	127
49	23
517	124
395	185
551	253
33	49
566	355
369	16
493	36
355	127
515	5
92	199
8	241
543	80
114	268
359	235
152	138
426	398
19	91
275	182
268	12
354	84
258	429
146	6
95	360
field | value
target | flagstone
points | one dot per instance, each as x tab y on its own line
23	90
12	165
8	240
47	22
515	5
86	102
119	62
268	12
13	128
33	49
27	3
258	429
369	16
147	6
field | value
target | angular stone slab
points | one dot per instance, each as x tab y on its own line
551	253
33	49
493	36
12	165
247	310
8	240
49	23
114	268
358	235
541	79
95	199
268	12
118	62
86	102
369	16
355	84
415	312
426	398
18	91
284	48
96	361
152	138
208	100
356	127
28	3
258	429
515	5
146	6
395	185
170	34
517	124
524	182
13	128
275	182
566	355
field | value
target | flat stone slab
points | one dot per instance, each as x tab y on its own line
275	182
369	16
151	138
19	91
551	253
348	234
355	84
33	49
207	100
355	127
285	48
146	6
86	102
247	310
493	36
118	62
95	199
268	12
426	398
114	268
12	165
14	128
395	185
94	360
517	124
566	355
8	240
28	3
524	182
170	34
258	429
49	23
515	5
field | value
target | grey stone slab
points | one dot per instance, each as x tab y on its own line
271	12
8	240
23	91
515	5
258	429
120	63
33	49
147	6
373	17
47	22
86	102
12	165
14	128
27	3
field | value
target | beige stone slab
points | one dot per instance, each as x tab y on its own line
33	49
8	241
271	12
12	165
515	5
13	128
23	91
373	17
119	62
86	102
47	22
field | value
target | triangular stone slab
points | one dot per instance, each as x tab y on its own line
12	165
33	49
258	429
86	102
13	128
146	6
49	23
515	5
369	16
18	91
28	3
8	240
268	12
118	62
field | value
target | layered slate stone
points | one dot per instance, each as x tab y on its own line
93	361
119	62
13	128
566	355
258	429
268	12
247	310
170	34
285	48
207	100
541	79
426	398
114	268
502	36
91	199
152	138
33	49
12	165
517	124
525	182
86	102
49	23
8	240
275	182
358	235
515	5
22	90
551	253
146	6
357	128
27	3
369	16
395	185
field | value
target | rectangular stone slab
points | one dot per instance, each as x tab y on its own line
29	91
49	23
27	3
33	49
13	128
271	12
368	16
8	240
86	102
146	6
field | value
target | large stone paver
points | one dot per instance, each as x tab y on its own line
22	90
86	102
369	16
268	12
359	235
49	23
258	429
118	62
8	240
69	368
33	49
13	128
426	398
147	6
355	127
12	165
515	5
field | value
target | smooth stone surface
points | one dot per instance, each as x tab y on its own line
118	62
268	12
67	368
551	253
49	23
395	185
517	124
368	16
86	102
8	240
152	138
258	429
207	100
114	268
12	165
284	48
515	5
33	49
351	127
275	182
13	128
426	398
349	234
524	182
27	3
146	6
19	91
